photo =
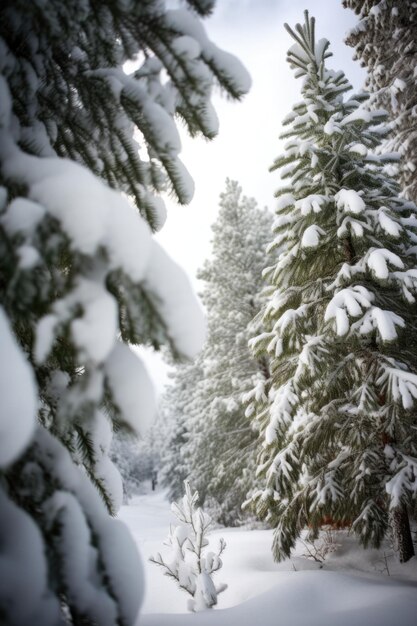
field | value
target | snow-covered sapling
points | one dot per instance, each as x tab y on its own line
187	564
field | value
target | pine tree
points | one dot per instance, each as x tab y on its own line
220	448
338	419
385	43
81	277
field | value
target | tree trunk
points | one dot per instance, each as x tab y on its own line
401	534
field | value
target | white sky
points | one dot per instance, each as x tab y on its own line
248	140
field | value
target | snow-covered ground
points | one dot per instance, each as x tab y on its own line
353	588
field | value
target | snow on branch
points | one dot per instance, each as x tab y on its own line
404	479
348	302
401	384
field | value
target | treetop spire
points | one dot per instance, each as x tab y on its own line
306	53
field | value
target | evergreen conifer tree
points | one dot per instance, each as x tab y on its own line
220	449
338	419
385	43
81	276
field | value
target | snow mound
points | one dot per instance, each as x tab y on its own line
352	589
315	599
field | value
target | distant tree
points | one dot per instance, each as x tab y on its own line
385	43
338	419
81	276
219	451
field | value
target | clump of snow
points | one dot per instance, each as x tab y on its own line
122	557
320	48
331	127
131	387
90	213
390	226
347	302
399	85
18	396
299	52
311	110
22	217
402	385
359	148
230	66
402	479
355	226
45	336
187	182
63	509
24	545
384	322
350	201
93	332
376	10
312	203
358	115
186	46
284	201
311	236
176	302
378	260
28	257
118	552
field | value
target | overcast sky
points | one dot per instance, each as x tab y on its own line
248	140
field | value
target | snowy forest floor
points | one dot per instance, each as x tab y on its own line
353	587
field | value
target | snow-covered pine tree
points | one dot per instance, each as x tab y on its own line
220	450
385	43
80	276
339	419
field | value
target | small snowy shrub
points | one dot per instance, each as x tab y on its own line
187	563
